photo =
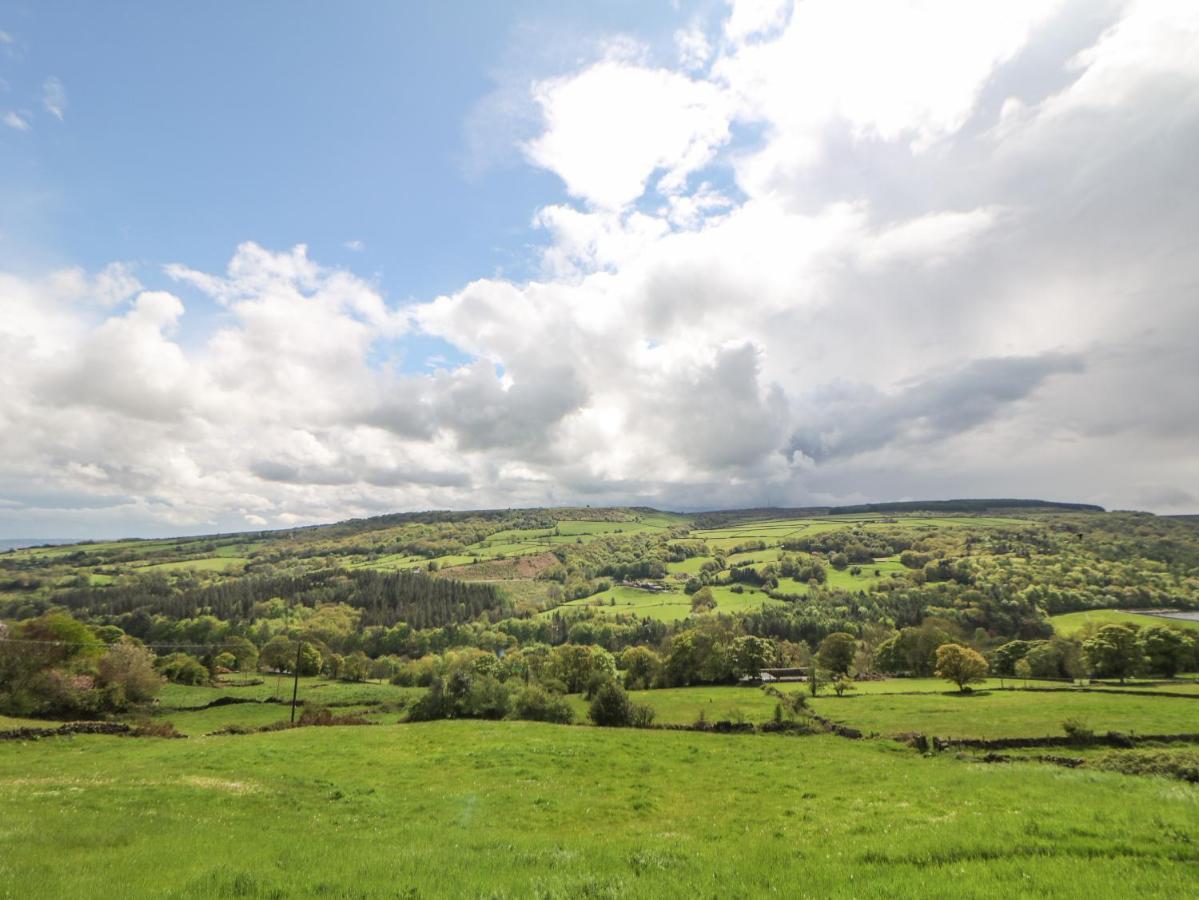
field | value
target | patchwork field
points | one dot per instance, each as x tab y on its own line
429	810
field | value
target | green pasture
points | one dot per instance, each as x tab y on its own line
8	723
689	566
194	722
1072	623
522	541
311	688
729	601
463	808
757	557
207	564
683	706
239	549
181	704
1019	713
1183	685
390	562
665	606
843	579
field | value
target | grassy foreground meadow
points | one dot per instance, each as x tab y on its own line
525	809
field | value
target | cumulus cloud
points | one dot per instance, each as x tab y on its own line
949	254
609	129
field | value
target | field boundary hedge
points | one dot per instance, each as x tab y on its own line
1110	739
72	728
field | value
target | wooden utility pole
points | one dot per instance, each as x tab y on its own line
295	686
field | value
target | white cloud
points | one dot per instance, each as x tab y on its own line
904	295
16	120
54	97
749	18
610	128
356	245
693	48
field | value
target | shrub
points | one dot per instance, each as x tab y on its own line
183	668
463	695
611	706
841	685
320	715
1077	731
129	669
1169	763
535	704
642	715
703	600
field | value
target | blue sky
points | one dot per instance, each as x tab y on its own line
193	127
274	263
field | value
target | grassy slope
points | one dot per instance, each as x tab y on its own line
520	809
1071	623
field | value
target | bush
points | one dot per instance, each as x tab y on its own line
1168	763
611	706
535	704
183	668
129	669
642	715
1077	731
321	715
463	695
703	600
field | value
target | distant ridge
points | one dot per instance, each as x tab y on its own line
964	506
22	543
942	506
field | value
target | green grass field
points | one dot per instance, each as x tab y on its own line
994	714
665	606
457	809
207	564
682	706
1072	623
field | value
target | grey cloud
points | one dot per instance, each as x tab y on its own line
381	477
474	406
285	473
719	415
354	472
846	419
